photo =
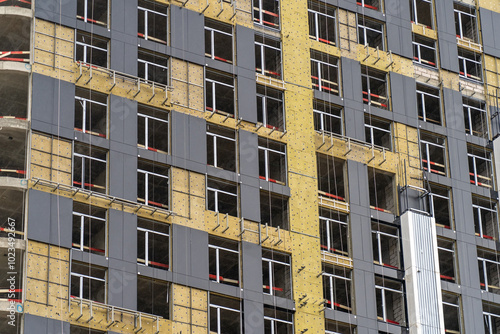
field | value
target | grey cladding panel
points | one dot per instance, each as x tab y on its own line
123	120
123	57
63	12
245	48
403	95
250	202
459	165
187	34
448	52
122	288
252	266
123	179
462	211
357	174
453	109
122	238
190	252
445	16
354	123
489	27
399	40
198	140
351	79
121	20
249	154
199	246
189	138
247	102
254	317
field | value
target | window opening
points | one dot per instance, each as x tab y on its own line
480	168
374	87
221	147
421	12
153	244
218	41
223	261
152	21
272	161
390	301
333	327
153	297
465	22
268	56
277	321
273	210
219	93
331	177
224	315
386	245
321	22
489	271
93	11
441	205
485	218
152	129
424	51
89	228
429	104
470	65
370	33
381	187
371	4
91	49
152	184
88	282
451	313
337	288
433	152
324	73
446	254
276	270
327	117
222	196
476	118
378	132
89	168
270	111
91	112
333	232
152	67
267	13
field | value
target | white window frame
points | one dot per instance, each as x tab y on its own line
264	70
372	128
480	208
331	278
148	63
266	162
379	259
364	28
218	278
81	246
475	174
218	308
83	158
383	289
147	119
212	82
426	164
273	320
457	306
216	137
485	270
461	33
84	102
217	191
328	17
212	55
260	20
447	198
488	318
146	261
325	115
319	64
86	18
271	276
369	94
145	35
421	96
462	59
90	46
82	276
418	59
414	5
469	127
265	115
362	4
452	251
146	187
327	222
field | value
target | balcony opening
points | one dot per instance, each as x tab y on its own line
276	271
11	291
274	210
219	93
433	153
333	232
324	73
429	104
15	35
218	41
221	147
446	254
270	110
381	188
331	177
12	206
223	255
378	132
440	205
13	154
152	67
152	129
277	320
14	95
89	228
386	245
480	167
267	13
470	65
88	282
222	196
224	315
321	22
153	297
485	218
153	244
152	21
333	327
370	32
268	56
91	112
489	271
153	184
374	87
93	11
337	288
421	12
89	168
451	312
390	301
16	3
327	118
475	117
272	161
465	22
424	51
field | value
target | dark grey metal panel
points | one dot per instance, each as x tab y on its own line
122	236
249	154
251	262
123	120
53	104
448	52
245	48
199	246
122	288
489	27
123	57
351	79
250	202
354	120
121	19
459	164
57	326
123	175
445	16
198	140
247	102
454	113
187	34
358	183
462	209
61	223
466	254
404	100
189	138
62	12
253	321
365	291
472	311
189	249
35	324
399	28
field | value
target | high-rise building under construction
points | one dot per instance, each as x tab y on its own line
249	166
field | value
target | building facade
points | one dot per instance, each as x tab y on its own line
249	166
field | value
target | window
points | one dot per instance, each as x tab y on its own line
489	271
331	177
324	73
433	153
272	161
440	205
333	327
390	301
491	317
221	147
470	65
381	188
371	4
89	228
370	33
327	118
276	271
82	330
424	51
480	168
152	21
321	22
446	254
91	112
224	261
337	288
277	321
152	129
153	244
451	312
270	110
88	282
267	13
218	41
152	184
476	118
429	104
91	49
93	11
421	12
378	132
219	92
485	218
153	297
152	67
89	168
273	210
224	315
386	245
333	232
268	56
222	197
465	22
374	87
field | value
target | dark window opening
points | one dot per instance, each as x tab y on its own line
152	129
82	330
218	41
274	210
152	184
89	228
321	22
276	271
491	317
390	301
324	73
451	313
153	297
91	49
219	93
421	12
224	315
272	161
381	187
331	177
429	104
333	327
152	21
12	205
378	132
386	245
327	118
485	218
337	288
270	110
153	248
465	22
91	112
16	3
11	278
267	13
222	197
489	271
475	117
93	11
433	153
371	4
374	87
268	56
440	206
333	232
480	167
223	261
446	255
152	67
89	168
277	321
370	33
424	51
88	282
470	65
221	147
